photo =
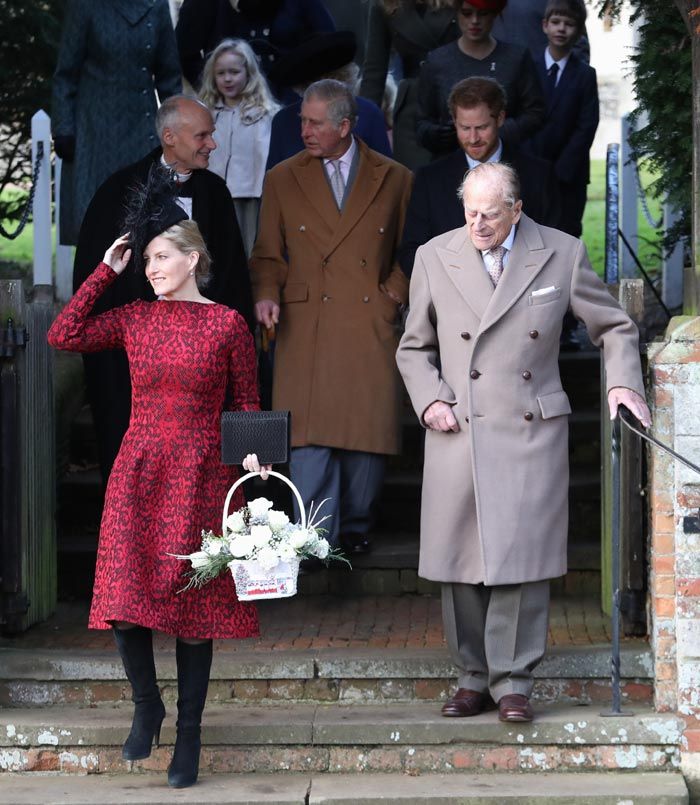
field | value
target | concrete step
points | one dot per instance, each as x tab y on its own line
409	738
572	674
311	789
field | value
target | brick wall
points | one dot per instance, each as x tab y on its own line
674	367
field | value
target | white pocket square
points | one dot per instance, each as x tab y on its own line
543	291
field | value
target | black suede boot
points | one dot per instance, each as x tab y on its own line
135	647
193	667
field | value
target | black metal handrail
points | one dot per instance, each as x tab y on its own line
627	419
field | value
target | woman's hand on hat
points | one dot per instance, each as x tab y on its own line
251	464
118	255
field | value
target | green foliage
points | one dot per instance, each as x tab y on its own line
29	36
664	116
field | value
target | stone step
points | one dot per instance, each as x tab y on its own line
409	738
650	788
572	674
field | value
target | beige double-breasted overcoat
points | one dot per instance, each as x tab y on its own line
334	361
494	506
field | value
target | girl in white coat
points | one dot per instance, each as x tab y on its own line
242	107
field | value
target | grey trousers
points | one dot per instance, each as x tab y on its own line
497	635
350	479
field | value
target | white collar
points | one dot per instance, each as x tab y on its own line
495	157
181	177
347	157
549	60
507	243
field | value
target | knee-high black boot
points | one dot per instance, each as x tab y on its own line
193	667
135	647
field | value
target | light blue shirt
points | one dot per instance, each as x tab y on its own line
495	157
507	245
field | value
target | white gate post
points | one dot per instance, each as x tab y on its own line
64	254
628	202
41	211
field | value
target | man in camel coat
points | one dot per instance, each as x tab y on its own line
324	270
479	359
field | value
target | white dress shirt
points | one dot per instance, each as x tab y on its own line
549	60
182	201
507	245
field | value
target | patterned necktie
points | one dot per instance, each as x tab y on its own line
337	183
496	268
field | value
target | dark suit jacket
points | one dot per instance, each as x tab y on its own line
572	120
434	207
285	137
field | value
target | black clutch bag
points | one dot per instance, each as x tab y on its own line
265	433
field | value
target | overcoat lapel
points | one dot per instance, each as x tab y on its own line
527	259
368	181
465	267
309	174
133	10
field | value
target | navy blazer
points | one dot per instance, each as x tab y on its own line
285	137
434	207
572	120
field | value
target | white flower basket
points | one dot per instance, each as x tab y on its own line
254	582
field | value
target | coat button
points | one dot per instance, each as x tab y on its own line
363	262
527	375
466	419
324	262
302	228
325	298
381	230
528	415
365	298
533	333
466	336
474	374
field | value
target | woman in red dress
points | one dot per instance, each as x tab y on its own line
186	354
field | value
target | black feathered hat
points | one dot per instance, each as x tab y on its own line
316	55
150	209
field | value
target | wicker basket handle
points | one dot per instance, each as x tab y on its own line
253	475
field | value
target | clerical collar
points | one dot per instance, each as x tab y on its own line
180	178
495	157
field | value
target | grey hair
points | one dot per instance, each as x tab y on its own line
187	238
341	102
168	114
500	174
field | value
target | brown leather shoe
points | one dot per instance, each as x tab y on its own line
465	702
514	707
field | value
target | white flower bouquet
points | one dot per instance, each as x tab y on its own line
261	547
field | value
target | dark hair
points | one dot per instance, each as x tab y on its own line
473	91
576	9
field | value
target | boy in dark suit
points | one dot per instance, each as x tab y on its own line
571	93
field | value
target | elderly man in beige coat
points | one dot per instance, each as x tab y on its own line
324	270
479	359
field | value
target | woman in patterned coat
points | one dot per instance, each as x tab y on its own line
114	56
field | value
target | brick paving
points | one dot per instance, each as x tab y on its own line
312	622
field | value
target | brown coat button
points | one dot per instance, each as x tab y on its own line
365	298
474	374
302	228
325	298
533	333
527	375
325	262
381	230
466	336
528	415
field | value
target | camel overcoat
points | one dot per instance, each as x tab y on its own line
495	507
336	340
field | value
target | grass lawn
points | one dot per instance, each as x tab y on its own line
594	223
20	250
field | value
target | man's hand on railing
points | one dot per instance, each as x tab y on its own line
637	405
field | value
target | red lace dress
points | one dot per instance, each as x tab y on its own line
167	483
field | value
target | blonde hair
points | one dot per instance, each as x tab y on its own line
256	99
392	6
186	238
